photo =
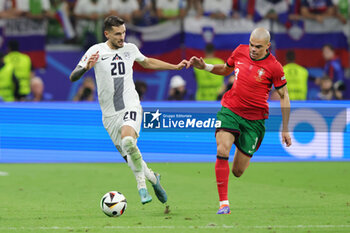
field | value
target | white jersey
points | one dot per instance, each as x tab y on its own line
114	76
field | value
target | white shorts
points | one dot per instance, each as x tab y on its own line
113	124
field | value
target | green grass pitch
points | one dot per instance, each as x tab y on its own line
269	197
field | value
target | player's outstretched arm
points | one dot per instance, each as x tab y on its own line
155	64
285	108
79	71
220	69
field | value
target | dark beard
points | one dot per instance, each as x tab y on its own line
115	46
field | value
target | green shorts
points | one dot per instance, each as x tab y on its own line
248	133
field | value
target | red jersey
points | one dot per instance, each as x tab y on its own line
254	78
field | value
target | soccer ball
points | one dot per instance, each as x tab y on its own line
113	204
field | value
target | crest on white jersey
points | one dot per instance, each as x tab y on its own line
127	55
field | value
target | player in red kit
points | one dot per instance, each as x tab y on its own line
244	106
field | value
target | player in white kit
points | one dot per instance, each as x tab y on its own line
119	101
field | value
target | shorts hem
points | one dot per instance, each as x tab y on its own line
245	153
235	132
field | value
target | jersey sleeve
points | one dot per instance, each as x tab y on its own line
87	55
231	60
278	78
45	5
22	5
79	8
134	6
139	57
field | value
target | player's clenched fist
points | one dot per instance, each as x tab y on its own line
286	139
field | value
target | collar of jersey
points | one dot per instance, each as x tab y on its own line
268	53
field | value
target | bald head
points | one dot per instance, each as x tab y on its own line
260	34
259	43
37	86
37	81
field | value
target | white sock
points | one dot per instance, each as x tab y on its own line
149	173
139	175
130	148
224	203
135	161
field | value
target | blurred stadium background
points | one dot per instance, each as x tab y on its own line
55	34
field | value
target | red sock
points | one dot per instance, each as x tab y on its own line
222	172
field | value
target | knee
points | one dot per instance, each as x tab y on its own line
223	150
237	172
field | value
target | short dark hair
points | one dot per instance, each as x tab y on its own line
290	56
209	48
328	46
112	21
13	45
325	78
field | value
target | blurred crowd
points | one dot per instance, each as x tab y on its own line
331	85
18	81
72	20
81	17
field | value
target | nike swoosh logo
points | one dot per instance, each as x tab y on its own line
239	63
104	58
